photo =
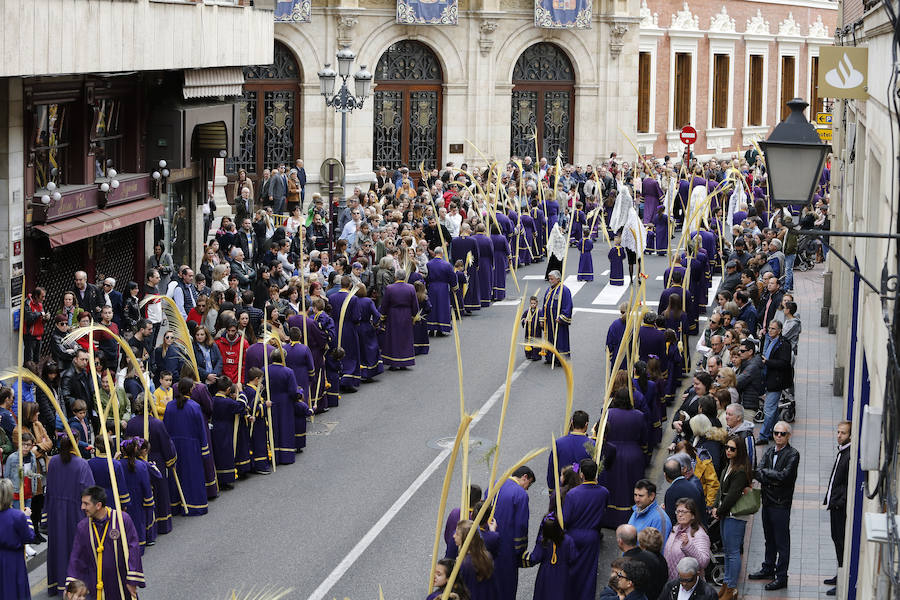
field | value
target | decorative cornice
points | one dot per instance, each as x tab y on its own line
617	31
818	30
789	26
685	20
758	25
721	22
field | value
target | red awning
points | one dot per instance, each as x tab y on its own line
101	221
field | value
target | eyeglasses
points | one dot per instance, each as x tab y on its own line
731	448
682	511
780	433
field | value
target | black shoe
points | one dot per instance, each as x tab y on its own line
831	581
38	539
761	574
777	584
761	441
831	592
226	486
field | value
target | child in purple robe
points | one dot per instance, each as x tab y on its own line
616	262
137	478
478	570
585	262
531	322
555	552
459	269
161	457
227	414
420	321
441	574
156	481
259	440
188	429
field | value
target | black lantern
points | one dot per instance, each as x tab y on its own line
794	157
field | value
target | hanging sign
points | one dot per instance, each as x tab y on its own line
563	14
427	12
293	11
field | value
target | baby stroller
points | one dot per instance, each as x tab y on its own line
715	570
807	248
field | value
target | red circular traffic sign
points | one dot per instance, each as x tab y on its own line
688	135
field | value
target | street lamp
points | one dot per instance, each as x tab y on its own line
794	157
344	101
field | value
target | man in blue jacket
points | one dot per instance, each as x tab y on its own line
647	511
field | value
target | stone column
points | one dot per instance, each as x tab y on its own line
12	210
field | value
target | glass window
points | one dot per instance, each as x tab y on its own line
50	143
106	136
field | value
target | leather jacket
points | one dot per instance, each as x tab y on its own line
778	480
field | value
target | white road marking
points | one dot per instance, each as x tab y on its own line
605	311
339	571
610	294
605	273
714	284
659	277
534	277
573	284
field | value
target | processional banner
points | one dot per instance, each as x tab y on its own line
427	12
293	11
563	14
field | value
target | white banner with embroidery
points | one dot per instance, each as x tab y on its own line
563	14
293	11
427	12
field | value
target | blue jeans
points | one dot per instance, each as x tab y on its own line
770	408
789	271
732	540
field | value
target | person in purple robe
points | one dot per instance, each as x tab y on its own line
556	315
349	339
201	394
67	475
661	231
331	392
399	307
501	259
648	388
465	248
156	481
300	360
506	223
650	339
485	265
511	514
162	455
616	333
479	567
421	345
282	386
534	329
584	509
616	263
555	552
462	280
652	193
540	232
626	433
16	530
551	210
100	470
253	357
120	576
475	494
442	571
187	427
675	287
137	479
227	413
370	362
258	431
585	261
441	282
316	341
571	448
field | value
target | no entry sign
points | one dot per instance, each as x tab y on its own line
688	135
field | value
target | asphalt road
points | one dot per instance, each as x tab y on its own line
359	507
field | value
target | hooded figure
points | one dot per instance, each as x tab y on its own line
557	246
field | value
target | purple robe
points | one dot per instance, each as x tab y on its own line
100	470
141	492
501	260
62	505
626	433
399	306
370	362
554	578
570	449
162	455
462	248
556	313
511	513
614	336
254	357
651	396
584	509
489	589
116	572
16	530
526	240
485	269
578	227
421	344
551	208
652	193
282	386
299	359
661	233
189	433
349	342
540	234
225	411
332	382
616	268
585	262
458	301
316	341
202	396
441	282
650	341
259	433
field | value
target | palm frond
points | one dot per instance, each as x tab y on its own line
178	326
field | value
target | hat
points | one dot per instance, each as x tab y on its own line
731	264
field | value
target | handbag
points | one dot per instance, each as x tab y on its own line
748	503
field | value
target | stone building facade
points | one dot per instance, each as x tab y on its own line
727	69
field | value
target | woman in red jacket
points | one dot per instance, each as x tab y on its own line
231	346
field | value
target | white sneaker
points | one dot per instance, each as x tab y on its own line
29	551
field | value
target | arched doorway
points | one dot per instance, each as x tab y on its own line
543	98
408	101
269	115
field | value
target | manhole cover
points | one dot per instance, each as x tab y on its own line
321	427
475	443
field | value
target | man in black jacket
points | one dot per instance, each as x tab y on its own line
74	384
689	581
87	295
749	370
777	473
836	497
776	354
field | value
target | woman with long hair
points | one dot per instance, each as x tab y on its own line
441	574
688	538
137	479
67	476
185	423
209	359
676	318
736	480
477	569
50	374
555	552
131	312
167	357
43	445
213	303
